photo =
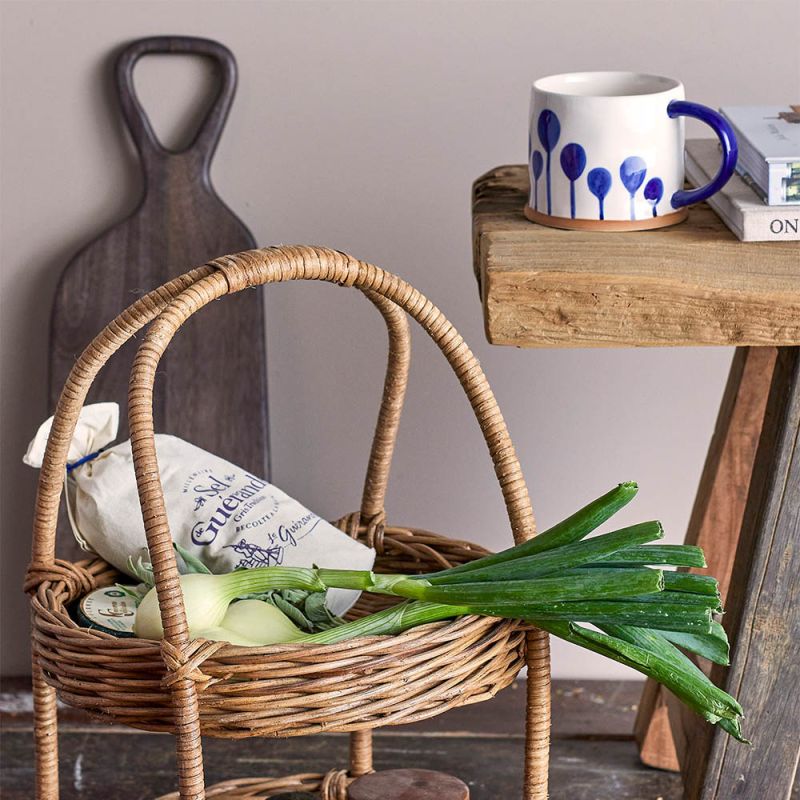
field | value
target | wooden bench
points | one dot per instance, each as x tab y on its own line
692	284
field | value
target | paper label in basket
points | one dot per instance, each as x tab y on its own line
219	512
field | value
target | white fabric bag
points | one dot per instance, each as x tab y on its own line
225	516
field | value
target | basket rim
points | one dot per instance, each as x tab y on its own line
111	677
52	596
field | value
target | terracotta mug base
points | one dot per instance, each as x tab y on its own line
606	224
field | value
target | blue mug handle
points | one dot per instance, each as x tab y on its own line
730	150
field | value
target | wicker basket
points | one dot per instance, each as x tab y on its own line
193	687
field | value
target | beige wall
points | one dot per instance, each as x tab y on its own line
361	126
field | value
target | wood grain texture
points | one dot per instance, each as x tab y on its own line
652	730
690	284
593	757
762	621
212	384
142	766
716	519
586	709
408	784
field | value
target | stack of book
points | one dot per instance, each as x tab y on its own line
762	201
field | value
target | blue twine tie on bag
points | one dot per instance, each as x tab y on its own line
83	460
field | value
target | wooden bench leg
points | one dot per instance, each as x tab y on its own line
762	621
716	518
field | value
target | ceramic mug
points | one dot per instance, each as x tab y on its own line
605	151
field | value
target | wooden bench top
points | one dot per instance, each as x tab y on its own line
691	284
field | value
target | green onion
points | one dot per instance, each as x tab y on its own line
388	622
635	611
650	653
684	582
710	602
712	645
675	555
688	682
572	529
693	584
577	585
559	581
552	561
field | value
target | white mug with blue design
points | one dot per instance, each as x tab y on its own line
606	151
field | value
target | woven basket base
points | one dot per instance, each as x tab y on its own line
330	786
290	689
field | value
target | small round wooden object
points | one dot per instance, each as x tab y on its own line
408	784
294	796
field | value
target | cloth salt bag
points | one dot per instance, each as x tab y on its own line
217	511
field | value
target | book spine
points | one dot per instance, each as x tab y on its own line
764	225
783	226
771	179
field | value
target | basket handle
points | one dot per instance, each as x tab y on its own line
127	324
373	497
275	265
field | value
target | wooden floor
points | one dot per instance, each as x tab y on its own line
593	753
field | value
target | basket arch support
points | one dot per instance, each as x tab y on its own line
185	297
44	564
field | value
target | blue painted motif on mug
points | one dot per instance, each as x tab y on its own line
599	180
537	164
631	172
549	129
573	162
653	192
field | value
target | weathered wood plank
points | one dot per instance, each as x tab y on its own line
691	284
581	709
140	767
593	757
762	621
716	518
652	730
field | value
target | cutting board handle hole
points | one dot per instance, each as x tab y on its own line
189	96
176	93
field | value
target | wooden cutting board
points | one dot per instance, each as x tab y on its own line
212	384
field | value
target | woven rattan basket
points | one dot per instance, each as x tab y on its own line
193	687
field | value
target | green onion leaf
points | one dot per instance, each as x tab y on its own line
674	555
712	645
556	560
662	616
711	602
572	529
689	582
651	654
576	585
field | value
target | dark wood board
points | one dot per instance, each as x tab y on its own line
142	767
593	755
212	383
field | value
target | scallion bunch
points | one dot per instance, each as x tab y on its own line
559	581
